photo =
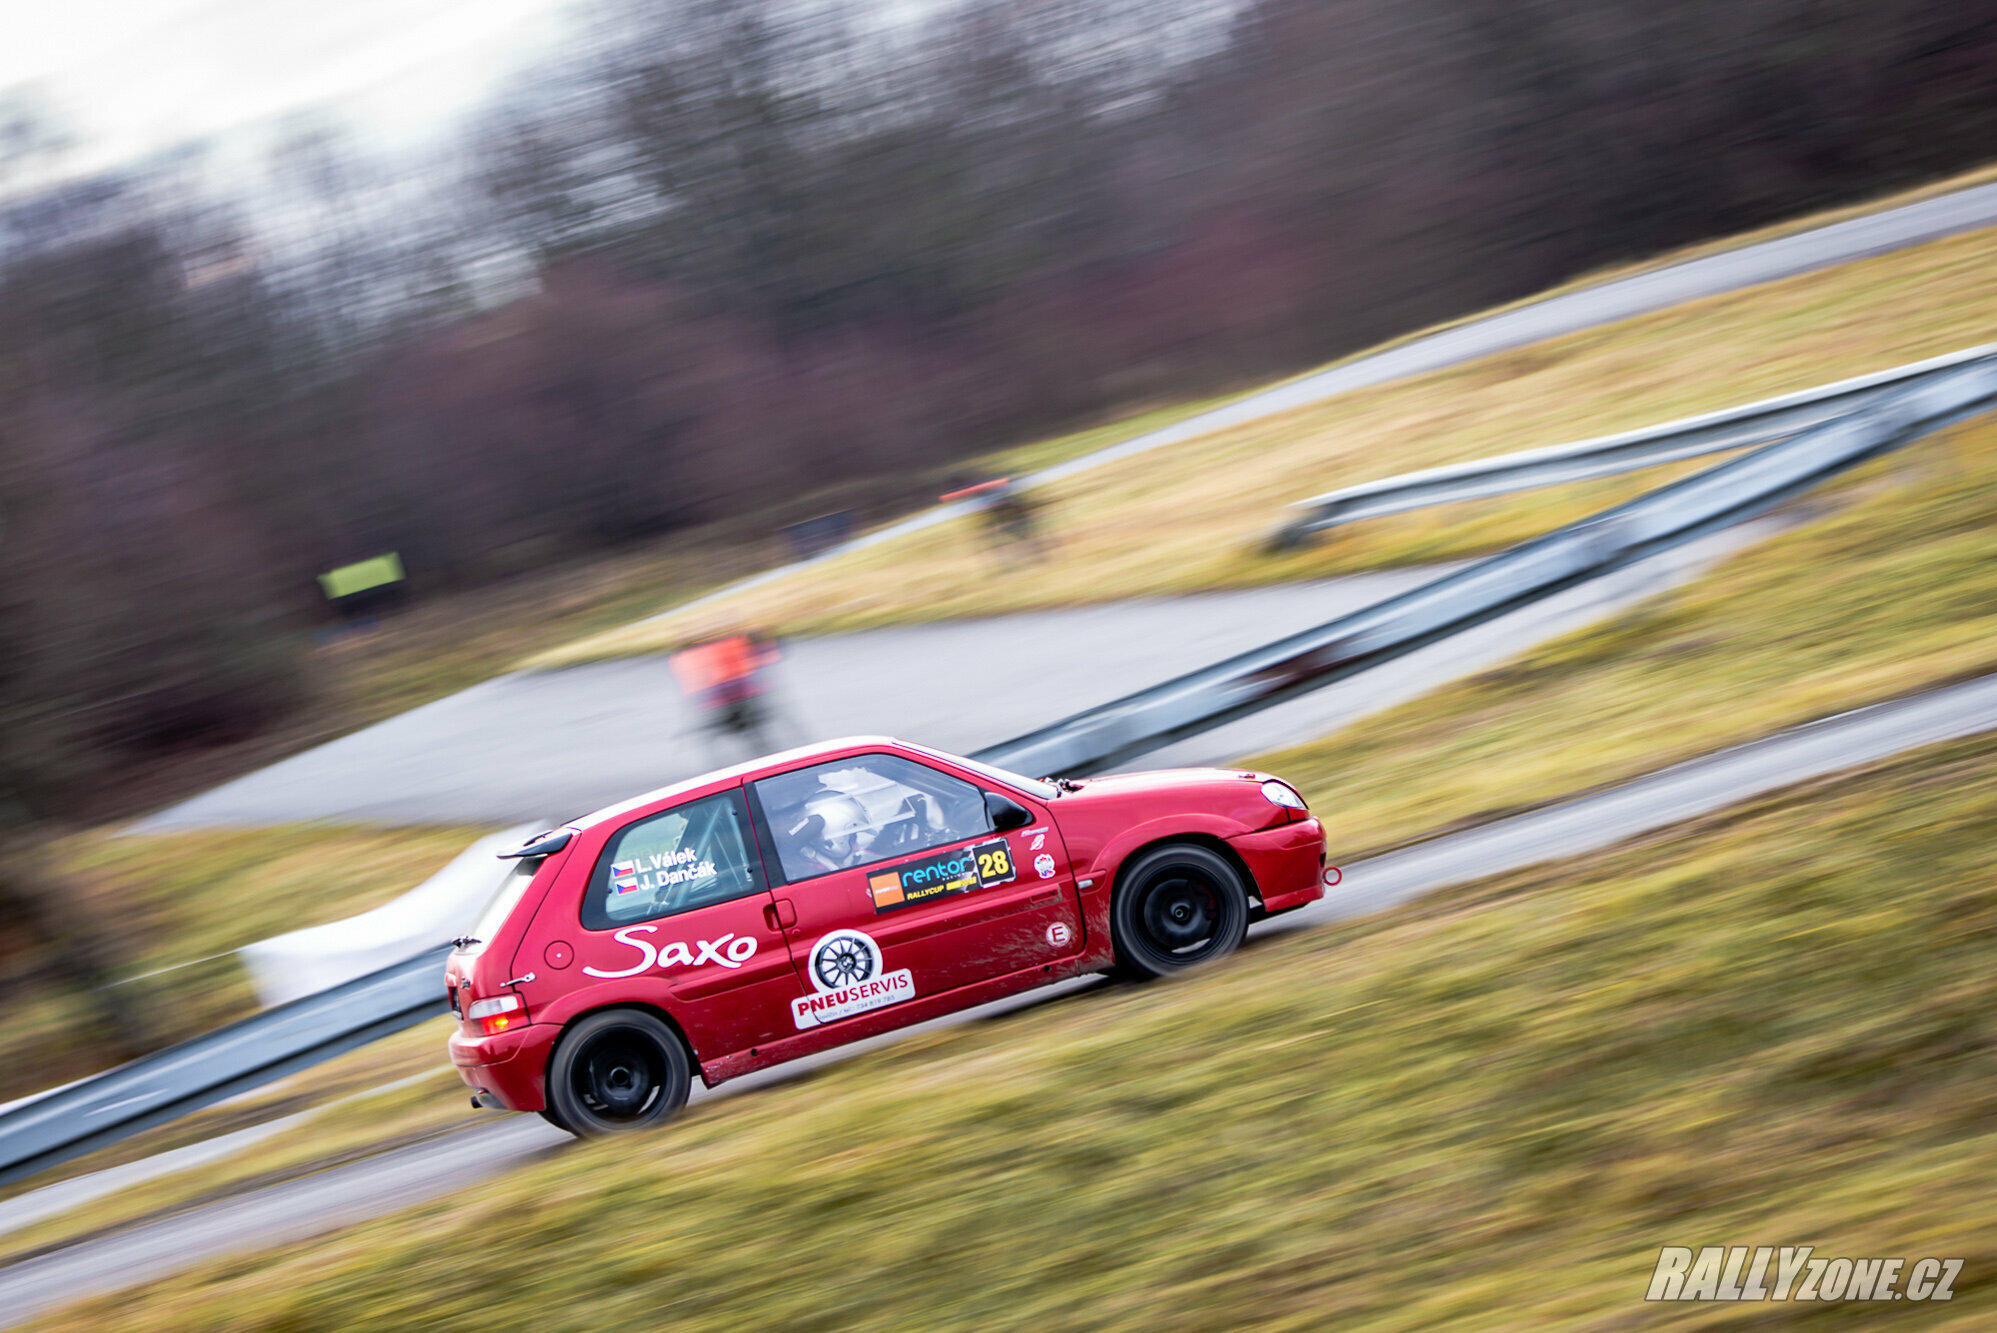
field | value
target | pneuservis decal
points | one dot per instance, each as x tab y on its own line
979	866
847	977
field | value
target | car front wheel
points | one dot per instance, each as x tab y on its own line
1178	907
617	1071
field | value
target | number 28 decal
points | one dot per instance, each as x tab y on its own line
978	866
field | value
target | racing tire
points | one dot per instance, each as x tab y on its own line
617	1071
1178	907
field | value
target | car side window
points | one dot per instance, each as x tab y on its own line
691	856
854	812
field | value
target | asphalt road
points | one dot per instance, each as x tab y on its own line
378	1185
1590	307
551	745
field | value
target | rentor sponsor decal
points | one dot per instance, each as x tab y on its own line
979	866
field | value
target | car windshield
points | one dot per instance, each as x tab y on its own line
1046	791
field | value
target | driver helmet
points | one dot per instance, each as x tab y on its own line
846	823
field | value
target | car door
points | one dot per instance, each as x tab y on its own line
678	898
894	883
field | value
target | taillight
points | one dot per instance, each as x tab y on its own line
497	1014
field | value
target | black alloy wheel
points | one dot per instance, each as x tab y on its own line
616	1071
1177	907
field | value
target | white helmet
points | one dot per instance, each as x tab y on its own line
838	842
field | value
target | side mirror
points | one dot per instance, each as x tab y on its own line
1006	813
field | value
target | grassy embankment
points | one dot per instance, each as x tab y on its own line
178	904
1487	1110
1891	589
397	1091
1192	516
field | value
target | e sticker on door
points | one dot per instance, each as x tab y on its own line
978	866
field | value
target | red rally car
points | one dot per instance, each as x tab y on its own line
830	893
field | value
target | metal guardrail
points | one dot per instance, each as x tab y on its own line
259	1049
1690	437
1116	732
295	1036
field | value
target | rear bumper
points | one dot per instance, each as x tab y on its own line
509	1067
1287	863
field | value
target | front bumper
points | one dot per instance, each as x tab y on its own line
1287	863
509	1067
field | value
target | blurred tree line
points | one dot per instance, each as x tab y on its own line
730	250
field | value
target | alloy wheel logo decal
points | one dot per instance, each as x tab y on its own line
843	958
847	976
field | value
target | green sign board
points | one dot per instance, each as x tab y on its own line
361	575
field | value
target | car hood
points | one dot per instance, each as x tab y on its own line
1161	781
1100	809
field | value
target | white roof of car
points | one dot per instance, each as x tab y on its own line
779	759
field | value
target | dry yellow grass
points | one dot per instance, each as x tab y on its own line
1891	588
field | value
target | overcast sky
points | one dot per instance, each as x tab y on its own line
129	76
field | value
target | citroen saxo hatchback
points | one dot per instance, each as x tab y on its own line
827	894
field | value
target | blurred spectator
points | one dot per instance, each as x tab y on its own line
727	678
1007	514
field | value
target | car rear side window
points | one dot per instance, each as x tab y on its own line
854	812
511	890
691	856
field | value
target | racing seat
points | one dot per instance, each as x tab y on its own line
804	841
908	831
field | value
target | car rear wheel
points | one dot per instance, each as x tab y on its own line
1178	907
617	1071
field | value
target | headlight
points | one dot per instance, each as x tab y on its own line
1282	793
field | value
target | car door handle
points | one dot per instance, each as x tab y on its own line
1042	899
781	914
